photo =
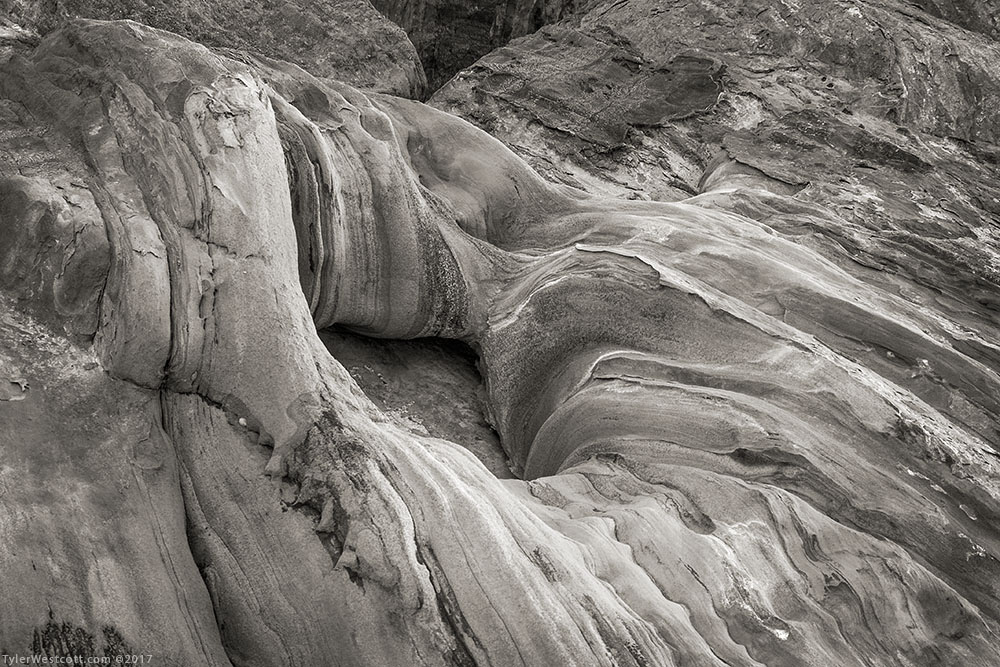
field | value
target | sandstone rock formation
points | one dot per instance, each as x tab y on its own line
450	35
757	426
644	93
345	39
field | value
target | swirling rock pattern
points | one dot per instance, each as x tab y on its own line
740	439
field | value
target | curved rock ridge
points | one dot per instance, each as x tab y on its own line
735	450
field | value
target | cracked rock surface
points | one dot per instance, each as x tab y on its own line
752	418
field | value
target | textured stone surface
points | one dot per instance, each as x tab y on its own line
977	15
570	98
345	39
450	35
756	426
432	385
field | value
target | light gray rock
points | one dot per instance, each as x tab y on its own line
737	444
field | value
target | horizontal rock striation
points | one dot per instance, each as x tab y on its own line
749	430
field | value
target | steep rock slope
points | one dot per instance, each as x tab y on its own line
738	447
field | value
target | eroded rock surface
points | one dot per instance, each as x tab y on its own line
345	39
753	427
638	98
450	35
430	384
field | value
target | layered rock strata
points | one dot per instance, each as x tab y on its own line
736	446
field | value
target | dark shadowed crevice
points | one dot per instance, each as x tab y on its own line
429	384
450	35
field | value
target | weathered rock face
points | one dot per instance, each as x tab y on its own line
344	39
450	35
584	101
976	15
756	426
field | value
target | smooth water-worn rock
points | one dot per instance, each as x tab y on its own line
755	426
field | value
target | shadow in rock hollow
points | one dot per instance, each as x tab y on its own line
431	385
